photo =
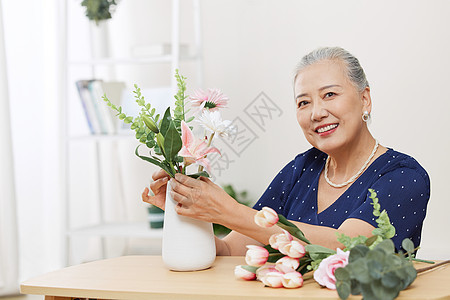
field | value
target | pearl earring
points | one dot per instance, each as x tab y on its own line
366	116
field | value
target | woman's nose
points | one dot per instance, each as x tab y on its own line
318	112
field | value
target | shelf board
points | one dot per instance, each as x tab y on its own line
133	229
129	61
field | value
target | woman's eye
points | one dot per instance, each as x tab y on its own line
329	94
302	103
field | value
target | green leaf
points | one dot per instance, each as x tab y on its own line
342	274
358	252
155	162
371	240
387	246
318	252
390	280
274	257
270	249
165	122
291	228
198	174
375	268
250	268
172	142
360	270
408	245
343	289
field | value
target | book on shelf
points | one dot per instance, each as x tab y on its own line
100	118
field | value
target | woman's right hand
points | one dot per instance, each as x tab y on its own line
158	187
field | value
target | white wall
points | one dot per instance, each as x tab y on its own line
253	46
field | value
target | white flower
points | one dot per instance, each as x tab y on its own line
212	121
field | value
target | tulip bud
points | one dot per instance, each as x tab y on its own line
262	271
266	217
241	273
273	279
256	256
292	280
293	249
278	241
150	124
287	264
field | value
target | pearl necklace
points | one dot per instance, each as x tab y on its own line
353	178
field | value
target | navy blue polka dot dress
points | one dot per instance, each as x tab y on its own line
402	186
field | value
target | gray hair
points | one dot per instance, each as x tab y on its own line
354	70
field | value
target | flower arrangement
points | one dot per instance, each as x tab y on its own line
171	143
367	266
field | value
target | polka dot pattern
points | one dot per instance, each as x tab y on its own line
402	186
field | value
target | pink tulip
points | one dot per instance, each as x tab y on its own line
287	264
262	271
241	273
293	249
194	150
324	275
256	256
292	280
266	217
280	240
273	279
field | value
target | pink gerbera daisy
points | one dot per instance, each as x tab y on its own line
211	99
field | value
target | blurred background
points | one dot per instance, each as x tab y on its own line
58	177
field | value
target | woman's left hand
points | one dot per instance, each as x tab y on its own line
201	199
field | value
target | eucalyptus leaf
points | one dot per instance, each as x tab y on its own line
387	246
357	252
390	280
360	270
408	245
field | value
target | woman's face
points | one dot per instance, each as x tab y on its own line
329	107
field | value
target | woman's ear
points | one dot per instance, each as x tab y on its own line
366	100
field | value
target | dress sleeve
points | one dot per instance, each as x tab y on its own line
403	193
276	194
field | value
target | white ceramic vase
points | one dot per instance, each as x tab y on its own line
188	244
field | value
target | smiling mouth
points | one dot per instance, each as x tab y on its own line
326	128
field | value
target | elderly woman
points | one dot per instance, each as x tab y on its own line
324	190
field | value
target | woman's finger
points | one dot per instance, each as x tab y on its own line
187	181
181	199
159	174
145	196
180	188
156	185
153	200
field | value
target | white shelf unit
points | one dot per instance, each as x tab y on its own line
121	229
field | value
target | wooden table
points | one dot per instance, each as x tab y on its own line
145	277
